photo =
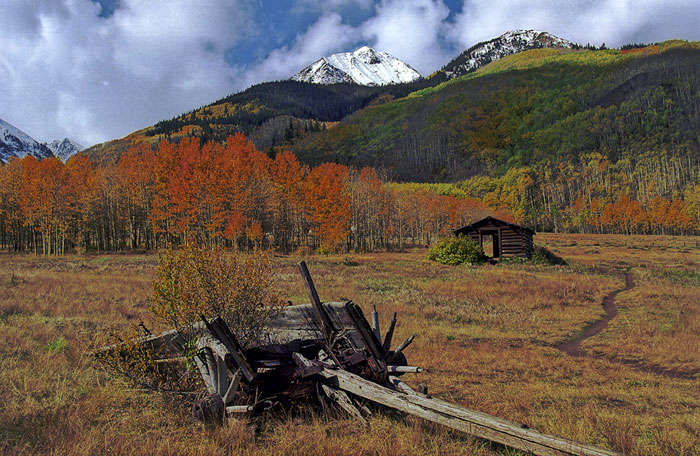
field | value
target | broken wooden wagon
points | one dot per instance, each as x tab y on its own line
329	351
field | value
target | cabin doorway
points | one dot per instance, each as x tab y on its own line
491	243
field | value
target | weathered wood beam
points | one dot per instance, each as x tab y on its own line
403	369
224	342
386	346
375	324
341	398
459	418
368	336
211	366
204	370
233	409
233	386
221	376
322	317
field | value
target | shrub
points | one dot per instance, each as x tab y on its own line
192	282
456	250
196	281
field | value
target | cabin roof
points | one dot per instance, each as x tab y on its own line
492	220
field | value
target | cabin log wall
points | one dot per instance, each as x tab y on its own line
514	240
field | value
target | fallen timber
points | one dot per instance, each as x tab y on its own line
331	353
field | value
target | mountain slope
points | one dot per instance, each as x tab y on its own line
270	114
543	106
15	143
509	43
365	66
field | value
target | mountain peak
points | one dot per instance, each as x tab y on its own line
511	42
64	148
364	66
16	143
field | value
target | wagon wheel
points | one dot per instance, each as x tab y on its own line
394	357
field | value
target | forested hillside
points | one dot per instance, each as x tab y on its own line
566	131
270	114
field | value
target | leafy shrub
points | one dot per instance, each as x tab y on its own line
192	282
196	281
456	250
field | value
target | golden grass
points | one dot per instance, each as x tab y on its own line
658	320
486	337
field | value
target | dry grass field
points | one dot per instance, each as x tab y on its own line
487	336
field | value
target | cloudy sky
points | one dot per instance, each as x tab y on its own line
95	70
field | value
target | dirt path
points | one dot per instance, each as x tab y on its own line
572	347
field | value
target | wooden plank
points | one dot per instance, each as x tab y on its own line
298	323
222	376
204	370
343	323
162	346
404	369
341	398
211	366
233	386
375	324
386	346
462	419
371	342
397	384
233	409
324	322
220	330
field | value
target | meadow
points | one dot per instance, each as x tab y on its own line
486	335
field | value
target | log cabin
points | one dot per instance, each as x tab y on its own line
508	239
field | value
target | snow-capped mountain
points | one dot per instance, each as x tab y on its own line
16	143
509	43
365	66
64	149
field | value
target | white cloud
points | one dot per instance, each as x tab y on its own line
410	30
326	36
65	71
614	22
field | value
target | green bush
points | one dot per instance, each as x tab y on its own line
456	250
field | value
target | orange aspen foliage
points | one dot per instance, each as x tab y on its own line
329	204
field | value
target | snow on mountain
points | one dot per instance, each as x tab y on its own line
509	43
365	66
64	149
16	143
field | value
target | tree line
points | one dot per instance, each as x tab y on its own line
233	195
657	197
228	194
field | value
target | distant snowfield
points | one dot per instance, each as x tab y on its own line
365	66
